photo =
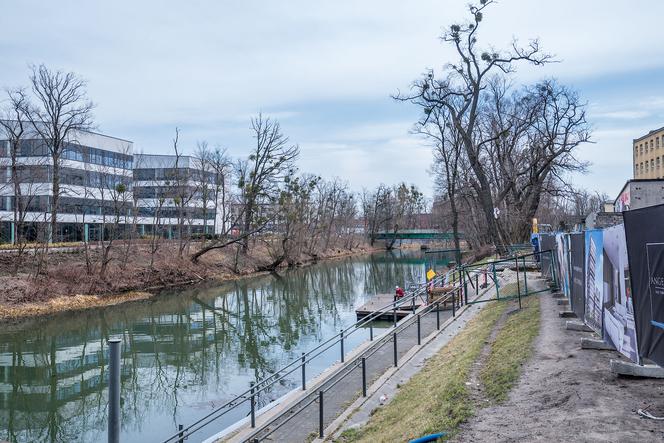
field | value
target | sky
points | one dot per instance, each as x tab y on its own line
326	70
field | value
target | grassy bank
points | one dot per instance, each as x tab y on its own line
438	399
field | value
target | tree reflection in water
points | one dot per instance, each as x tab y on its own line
184	353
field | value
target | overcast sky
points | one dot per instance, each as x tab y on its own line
326	70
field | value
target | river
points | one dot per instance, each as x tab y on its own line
184	352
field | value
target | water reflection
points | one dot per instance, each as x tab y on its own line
184	353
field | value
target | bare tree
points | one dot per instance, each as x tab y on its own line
113	187
534	133
15	126
221	166
62	111
459	92
448	160
272	159
203	163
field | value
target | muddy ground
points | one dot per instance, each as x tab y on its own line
569	394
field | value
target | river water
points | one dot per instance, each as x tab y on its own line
184	352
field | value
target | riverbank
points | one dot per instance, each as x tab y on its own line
68	287
476	368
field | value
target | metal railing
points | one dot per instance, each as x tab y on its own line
300	363
460	278
359	362
459	294
517	262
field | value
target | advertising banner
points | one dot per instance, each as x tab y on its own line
644	232
547	243
619	328
578	277
562	254
594	280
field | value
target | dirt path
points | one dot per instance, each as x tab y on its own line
475	385
569	394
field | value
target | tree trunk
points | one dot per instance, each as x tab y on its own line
247	224
484	196
55	201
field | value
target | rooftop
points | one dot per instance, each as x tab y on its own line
636	140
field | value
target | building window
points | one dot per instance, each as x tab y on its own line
641	149
657	141
652	164
657	162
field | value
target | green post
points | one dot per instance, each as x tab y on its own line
86	232
13	239
525	277
495	280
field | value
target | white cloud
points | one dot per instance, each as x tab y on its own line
207	66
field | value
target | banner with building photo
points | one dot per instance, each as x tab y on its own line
547	243
562	254
578	277
619	328
594	280
644	232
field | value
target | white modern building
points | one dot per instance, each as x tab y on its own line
95	187
174	194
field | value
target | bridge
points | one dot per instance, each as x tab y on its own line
416	234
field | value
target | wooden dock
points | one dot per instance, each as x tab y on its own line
380	301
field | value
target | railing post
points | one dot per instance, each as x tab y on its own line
394	341
253	406
181	434
304	373
341	334
371	331
477	284
364	377
495	282
525	276
518	283
320	414
394	312
114	391
465	291
453	304
419	330
438	316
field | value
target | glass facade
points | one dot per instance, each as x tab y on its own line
75	152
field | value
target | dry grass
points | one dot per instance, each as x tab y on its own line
437	399
9	246
68	303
